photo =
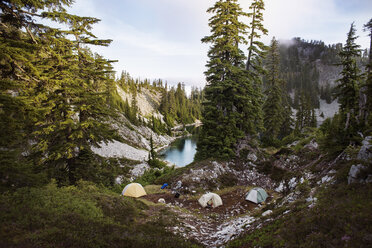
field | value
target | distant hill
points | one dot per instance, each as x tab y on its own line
312	68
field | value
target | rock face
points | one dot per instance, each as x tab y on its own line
118	149
148	102
365	152
138	170
136	138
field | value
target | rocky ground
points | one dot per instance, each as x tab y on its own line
211	227
306	172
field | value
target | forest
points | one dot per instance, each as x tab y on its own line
60	101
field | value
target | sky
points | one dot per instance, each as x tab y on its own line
161	39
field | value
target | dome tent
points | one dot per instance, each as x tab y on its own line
134	190
256	195
210	199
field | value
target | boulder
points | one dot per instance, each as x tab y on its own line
354	172
365	152
178	185
119	179
268	212
312	145
252	157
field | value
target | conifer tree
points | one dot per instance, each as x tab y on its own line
256	53
18	76
313	122
368	84
73	115
230	109
303	115
288	121
348	84
67	87
273	107
256	48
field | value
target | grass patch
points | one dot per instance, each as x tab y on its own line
79	216
153	189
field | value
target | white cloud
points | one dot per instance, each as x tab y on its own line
163	40
316	19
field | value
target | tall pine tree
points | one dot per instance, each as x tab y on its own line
348	84
368	110
273	107
230	108
61	84
256	48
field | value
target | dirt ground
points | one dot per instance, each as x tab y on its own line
234	203
212	227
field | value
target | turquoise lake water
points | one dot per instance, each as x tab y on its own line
181	152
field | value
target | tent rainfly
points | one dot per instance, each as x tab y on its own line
256	195
210	199
134	190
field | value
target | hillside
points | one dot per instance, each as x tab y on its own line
312	68
301	180
279	161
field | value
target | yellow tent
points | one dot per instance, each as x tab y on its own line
134	190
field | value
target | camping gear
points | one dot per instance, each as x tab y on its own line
256	195
210	200
134	190
164	186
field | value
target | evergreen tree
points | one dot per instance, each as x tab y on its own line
368	86
63	84
303	115
348	84
152	154
19	75
288	122
313	122
256	48
230	108
273	107
256	53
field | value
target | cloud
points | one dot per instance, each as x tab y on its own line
326	20
161	39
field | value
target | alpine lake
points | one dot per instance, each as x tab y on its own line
182	151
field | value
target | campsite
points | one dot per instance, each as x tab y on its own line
233	199
185	124
202	223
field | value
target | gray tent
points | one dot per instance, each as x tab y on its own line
256	195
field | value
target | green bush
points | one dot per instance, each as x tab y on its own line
151	176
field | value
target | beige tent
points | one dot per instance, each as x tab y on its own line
134	190
210	199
